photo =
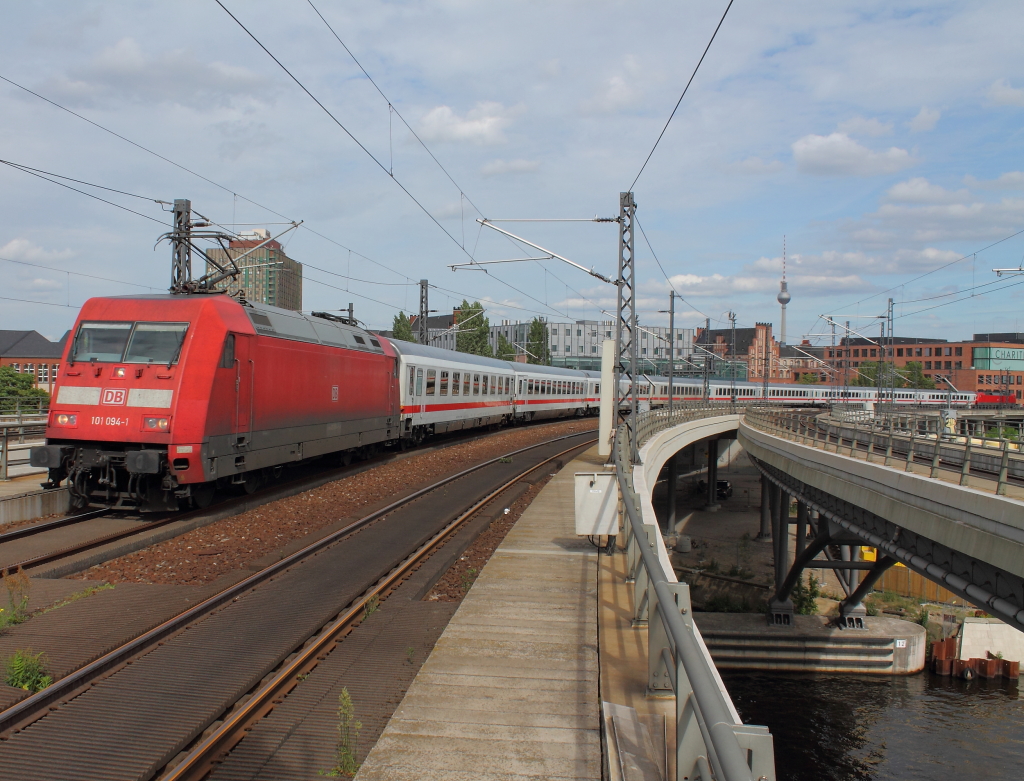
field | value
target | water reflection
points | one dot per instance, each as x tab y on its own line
917	728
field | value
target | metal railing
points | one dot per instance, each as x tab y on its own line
710	741
900	439
11	434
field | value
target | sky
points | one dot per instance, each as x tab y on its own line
881	143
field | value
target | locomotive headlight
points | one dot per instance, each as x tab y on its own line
155	424
118	372
64	419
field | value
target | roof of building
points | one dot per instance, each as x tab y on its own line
29	344
856	341
434	321
1012	338
800	350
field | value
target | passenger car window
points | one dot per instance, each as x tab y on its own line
419	382
444	384
465	384
476	384
431	381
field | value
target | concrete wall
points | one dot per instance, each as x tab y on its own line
33	505
981	636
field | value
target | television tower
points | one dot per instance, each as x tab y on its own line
783	297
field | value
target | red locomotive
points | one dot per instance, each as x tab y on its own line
160	398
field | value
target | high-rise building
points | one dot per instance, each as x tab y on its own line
266	275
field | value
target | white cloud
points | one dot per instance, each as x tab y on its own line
839	155
1003	94
859	126
23	249
920	190
499	167
177	76
803	269
1011	180
618	92
902	224
481	125
755	165
925	120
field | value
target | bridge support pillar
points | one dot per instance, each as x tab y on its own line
801	527
780	611
712	504
672	479
766	514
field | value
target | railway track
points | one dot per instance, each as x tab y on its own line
33	556
131	712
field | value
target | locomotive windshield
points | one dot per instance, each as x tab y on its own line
101	341
129	342
156	343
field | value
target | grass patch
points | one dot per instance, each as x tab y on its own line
86	592
372	606
18	586
27	671
348	732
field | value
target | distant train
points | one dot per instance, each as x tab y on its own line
163	399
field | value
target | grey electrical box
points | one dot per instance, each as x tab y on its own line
597	503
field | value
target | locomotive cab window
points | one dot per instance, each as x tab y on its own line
100	342
227	356
156	343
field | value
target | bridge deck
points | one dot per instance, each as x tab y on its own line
510	690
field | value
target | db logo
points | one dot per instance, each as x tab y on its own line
114	396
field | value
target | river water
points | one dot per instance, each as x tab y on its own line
916	728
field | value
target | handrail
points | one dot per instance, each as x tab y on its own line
713	715
918	435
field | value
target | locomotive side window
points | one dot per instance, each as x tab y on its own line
444	383
156	343
227	357
100	341
431	381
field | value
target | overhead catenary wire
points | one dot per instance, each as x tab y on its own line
75	273
687	87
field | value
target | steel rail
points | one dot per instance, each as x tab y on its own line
201	760
27	710
28	531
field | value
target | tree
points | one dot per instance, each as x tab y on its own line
809	378
506	350
915	378
474	330
537	343
17	389
401	328
866	374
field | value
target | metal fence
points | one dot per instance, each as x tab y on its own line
990	448
710	741
16	434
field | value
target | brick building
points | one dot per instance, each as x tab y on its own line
267	276
988	363
754	346
29	352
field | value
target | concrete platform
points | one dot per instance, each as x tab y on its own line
510	691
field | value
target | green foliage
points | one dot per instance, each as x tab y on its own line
372	606
1006	432
506	350
809	378
537	343
909	376
27	671
474	330
401	328
723	603
803	596
468	577
18	586
86	592
18	390
915	377
348	732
